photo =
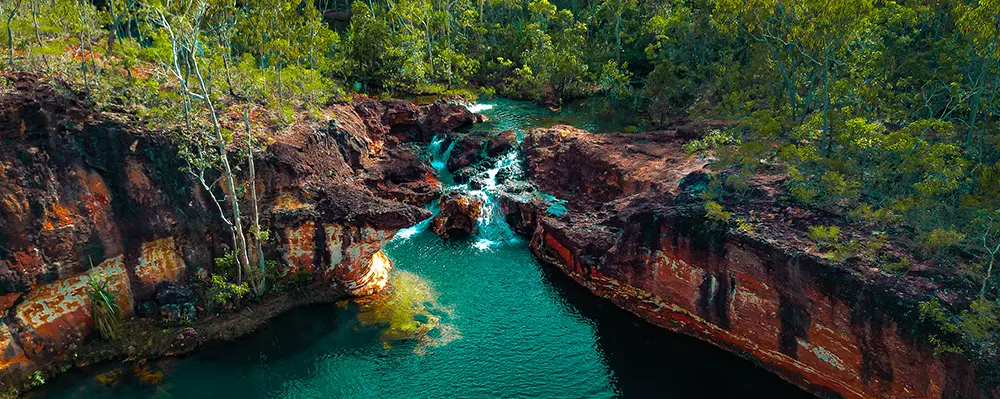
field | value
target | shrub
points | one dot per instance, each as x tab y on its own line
715	213
226	266
103	306
222	293
937	241
974	330
898	267
825	236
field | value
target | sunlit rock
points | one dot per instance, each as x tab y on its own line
458	215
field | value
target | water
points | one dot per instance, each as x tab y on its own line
477	318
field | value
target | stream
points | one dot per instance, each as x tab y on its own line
471	318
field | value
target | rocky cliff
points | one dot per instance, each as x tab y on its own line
84	192
635	232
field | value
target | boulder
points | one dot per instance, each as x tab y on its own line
501	143
458	215
445	117
467	151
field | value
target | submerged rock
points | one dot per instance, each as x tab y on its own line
458	215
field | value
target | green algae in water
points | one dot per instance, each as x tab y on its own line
409	311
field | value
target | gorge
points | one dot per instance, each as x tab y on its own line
500	198
478	316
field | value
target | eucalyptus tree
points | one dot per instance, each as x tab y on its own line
181	24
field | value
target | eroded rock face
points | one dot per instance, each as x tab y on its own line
79	188
593	169
636	234
458	215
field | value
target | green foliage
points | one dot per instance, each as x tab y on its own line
898	267
226	266
973	330
104	307
715	213
221	293
37	379
936	241
825	236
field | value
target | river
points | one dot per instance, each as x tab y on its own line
474	318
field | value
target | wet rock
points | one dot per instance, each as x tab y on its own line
467	151
521	211
445	117
458	215
501	143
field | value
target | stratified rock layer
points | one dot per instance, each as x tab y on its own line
637	236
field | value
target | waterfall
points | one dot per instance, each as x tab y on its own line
492	226
478	108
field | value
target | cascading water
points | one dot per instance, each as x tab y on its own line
493	228
439	158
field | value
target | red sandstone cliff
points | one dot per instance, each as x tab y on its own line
636	233
78	187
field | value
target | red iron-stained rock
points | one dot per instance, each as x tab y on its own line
501	143
636	234
445	117
159	261
55	316
80	186
458	215
12	360
596	168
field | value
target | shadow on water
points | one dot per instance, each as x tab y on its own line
649	361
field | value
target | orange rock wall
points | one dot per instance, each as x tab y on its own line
348	256
771	310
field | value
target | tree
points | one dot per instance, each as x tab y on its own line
374	54
182	27
617	10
